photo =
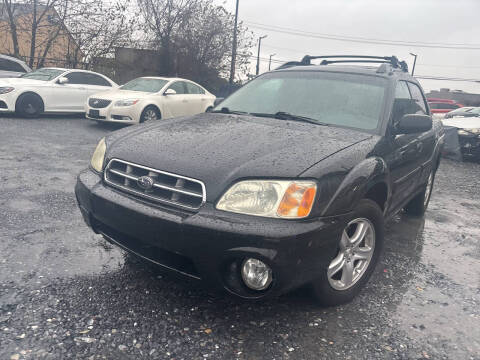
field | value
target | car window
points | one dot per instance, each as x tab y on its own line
194	89
418	97
77	77
349	100
144	84
443	106
93	79
403	103
8	65
44	74
179	87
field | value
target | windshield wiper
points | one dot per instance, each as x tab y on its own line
282	115
226	110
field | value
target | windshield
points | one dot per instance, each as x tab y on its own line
43	74
145	84
332	98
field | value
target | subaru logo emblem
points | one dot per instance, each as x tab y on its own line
145	182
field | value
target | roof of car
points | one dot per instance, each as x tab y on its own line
12	58
356	69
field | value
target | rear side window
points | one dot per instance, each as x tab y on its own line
77	78
8	65
443	106
179	87
418	96
194	89
93	79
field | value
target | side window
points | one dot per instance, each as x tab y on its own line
179	87
194	89
402	103
401	91
93	79
77	78
8	65
418	97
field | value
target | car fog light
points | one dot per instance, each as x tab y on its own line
256	274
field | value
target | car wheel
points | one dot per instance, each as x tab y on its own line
150	113
418	205
29	105
358	252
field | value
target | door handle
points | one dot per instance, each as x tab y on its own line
419	146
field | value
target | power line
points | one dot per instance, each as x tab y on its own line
302	33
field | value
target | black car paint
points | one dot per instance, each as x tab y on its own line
221	149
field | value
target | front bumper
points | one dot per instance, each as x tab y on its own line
7	102
470	145
112	113
210	245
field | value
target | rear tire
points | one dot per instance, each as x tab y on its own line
418	205
357	255
150	113
29	105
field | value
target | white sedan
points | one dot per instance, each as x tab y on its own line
149	98
51	90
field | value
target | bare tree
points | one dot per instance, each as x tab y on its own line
194	38
164	18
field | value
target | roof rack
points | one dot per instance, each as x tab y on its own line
391	60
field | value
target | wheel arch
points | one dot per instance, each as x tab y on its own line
367	180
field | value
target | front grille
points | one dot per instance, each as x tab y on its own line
160	187
98	103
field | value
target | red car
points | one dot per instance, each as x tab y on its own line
442	106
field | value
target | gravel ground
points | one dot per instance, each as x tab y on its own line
66	294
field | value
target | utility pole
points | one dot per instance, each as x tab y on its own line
414	62
258	56
234	50
270	61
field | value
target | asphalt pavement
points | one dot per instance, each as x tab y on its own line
65	293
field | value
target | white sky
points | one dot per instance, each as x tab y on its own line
428	21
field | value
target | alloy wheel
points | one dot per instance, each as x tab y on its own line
357	246
150	115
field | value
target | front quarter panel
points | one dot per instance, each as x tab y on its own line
344	178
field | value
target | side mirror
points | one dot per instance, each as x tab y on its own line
413	123
62	80
169	92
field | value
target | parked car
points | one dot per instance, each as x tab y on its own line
442	106
468	131
287	182
464	111
12	67
149	98
51	90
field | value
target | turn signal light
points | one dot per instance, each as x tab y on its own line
297	201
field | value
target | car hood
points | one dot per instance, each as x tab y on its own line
118	94
219	149
20	81
463	122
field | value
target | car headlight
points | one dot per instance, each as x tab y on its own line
5	89
99	155
468	132
126	102
270	198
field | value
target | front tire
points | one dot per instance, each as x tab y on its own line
29	105
150	113
358	253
